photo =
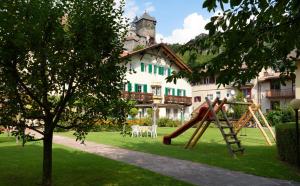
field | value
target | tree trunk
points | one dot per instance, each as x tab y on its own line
47	159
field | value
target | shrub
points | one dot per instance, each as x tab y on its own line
166	122
286	142
288	114
274	117
133	112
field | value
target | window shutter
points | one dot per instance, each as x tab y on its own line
142	67
129	87
166	91
178	90
136	88
145	88
169	71
150	68
184	93
173	92
155	69
162	71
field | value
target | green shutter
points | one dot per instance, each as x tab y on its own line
136	87
145	88
166	91
162	71
173	91
155	69
129	87
150	68
184	93
178	90
169	71
142	67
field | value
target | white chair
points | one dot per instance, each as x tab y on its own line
153	131
135	130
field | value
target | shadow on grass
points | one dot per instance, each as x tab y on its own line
22	166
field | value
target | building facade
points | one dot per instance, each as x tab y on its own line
147	70
266	90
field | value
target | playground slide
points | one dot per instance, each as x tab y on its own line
187	125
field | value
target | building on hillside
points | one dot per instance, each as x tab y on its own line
147	71
141	32
266	90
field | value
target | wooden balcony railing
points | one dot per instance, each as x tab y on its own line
182	100
140	97
286	93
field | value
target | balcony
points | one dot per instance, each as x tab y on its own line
286	93
182	100
140	97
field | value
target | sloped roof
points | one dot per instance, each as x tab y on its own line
147	16
166	50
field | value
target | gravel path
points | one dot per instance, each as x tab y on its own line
194	173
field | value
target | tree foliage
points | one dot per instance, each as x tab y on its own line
59	62
248	36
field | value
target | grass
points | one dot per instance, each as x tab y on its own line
22	166
258	159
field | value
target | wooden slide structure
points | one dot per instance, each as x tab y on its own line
206	115
254	113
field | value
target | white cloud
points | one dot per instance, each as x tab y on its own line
131	9
149	7
193	25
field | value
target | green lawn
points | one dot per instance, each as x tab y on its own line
22	166
258	159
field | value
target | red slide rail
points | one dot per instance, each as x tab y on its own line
167	139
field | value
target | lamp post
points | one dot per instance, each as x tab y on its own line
295	104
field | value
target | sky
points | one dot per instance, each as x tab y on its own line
178	21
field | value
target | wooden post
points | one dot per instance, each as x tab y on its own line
260	127
267	124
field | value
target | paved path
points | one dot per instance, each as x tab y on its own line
187	171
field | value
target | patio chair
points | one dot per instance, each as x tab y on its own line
135	131
153	131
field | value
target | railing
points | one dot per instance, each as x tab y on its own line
182	100
285	93
140	97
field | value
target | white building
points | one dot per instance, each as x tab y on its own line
147	71
266	90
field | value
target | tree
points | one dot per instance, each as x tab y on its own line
248	36
133	112
59	62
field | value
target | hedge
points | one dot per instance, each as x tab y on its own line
286	142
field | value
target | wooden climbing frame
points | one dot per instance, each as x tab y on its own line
254	113
228	133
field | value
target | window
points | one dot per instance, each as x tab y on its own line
275	85
169	71
197	99
168	91
210	96
218	94
150	68
142	67
129	87
140	88
156	90
161	70
155	69
168	112
179	92
175	114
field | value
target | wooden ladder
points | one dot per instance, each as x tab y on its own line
230	137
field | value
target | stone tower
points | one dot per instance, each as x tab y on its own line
145	27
